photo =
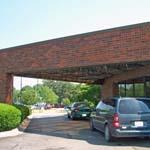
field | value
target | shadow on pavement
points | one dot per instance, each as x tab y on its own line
61	126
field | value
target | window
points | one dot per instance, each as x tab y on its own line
129	90
139	89
99	105
111	102
80	104
133	106
148	89
122	90
134	90
104	107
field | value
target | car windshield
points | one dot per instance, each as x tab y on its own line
134	106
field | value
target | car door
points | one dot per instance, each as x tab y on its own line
94	116
99	118
103	114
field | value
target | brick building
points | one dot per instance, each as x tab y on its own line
114	58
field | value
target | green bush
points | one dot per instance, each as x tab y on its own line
25	111
10	117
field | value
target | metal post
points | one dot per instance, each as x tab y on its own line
145	87
20	87
125	89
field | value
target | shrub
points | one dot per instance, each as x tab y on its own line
25	111
10	117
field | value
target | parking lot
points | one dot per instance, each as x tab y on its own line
54	131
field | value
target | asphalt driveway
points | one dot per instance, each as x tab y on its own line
55	132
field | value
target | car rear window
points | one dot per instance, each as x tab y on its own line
134	106
80	105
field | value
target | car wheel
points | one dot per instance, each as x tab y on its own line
107	134
92	125
68	116
72	116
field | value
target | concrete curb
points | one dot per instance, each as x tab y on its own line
16	131
10	133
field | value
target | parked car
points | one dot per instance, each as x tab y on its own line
58	106
38	106
122	117
78	110
47	106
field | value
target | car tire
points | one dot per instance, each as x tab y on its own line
107	134
68	116
92	125
72	116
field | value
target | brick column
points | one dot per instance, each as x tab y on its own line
109	89
115	89
6	88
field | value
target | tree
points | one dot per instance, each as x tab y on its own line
62	89
38	90
66	101
28	95
88	93
60	92
45	94
75	92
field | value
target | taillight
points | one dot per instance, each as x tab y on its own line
116	123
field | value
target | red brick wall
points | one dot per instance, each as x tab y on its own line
118	45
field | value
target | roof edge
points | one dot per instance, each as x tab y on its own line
78	35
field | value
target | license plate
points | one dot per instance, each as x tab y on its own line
138	124
83	115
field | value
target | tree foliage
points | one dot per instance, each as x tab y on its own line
28	96
66	101
75	92
89	93
45	94
58	92
62	89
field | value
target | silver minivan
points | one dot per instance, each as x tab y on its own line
122	117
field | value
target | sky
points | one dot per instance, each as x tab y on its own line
28	21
